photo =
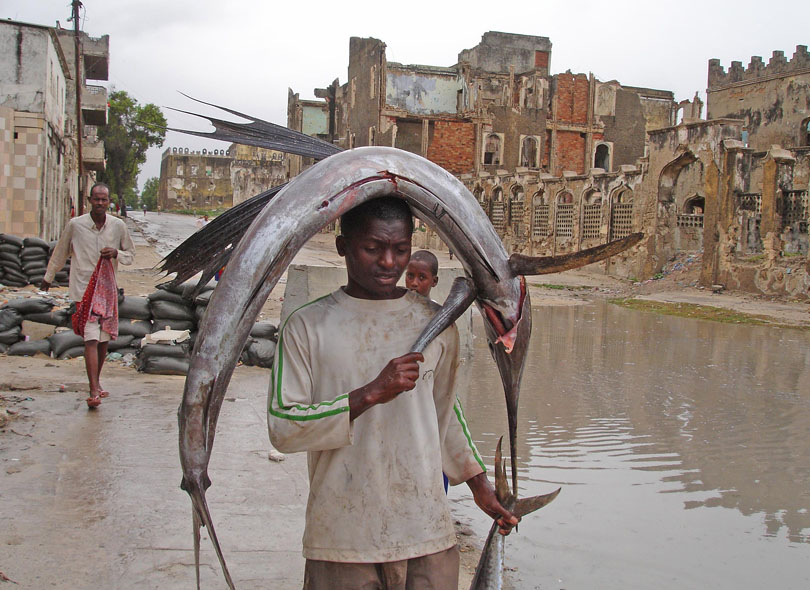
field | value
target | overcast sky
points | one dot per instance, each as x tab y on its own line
246	53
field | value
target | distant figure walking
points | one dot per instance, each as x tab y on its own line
85	239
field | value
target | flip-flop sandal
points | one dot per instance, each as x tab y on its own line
103	393
93	401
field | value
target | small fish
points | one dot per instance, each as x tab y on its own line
489	572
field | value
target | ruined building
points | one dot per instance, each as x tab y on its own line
38	126
565	162
217	179
497	109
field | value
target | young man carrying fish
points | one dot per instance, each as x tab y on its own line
380	424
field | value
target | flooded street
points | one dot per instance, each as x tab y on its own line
681	447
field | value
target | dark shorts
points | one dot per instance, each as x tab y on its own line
438	571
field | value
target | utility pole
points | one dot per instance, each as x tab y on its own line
76	4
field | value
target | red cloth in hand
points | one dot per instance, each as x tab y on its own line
100	299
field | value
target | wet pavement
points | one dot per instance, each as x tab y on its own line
91	499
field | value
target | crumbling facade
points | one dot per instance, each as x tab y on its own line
38	126
217	179
772	100
498	109
566	162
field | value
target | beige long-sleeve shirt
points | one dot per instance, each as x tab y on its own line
376	491
82	241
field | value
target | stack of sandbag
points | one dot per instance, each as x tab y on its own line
65	344
34	256
171	310
10	261
34	309
10	327
165	352
62	278
134	322
260	348
201	304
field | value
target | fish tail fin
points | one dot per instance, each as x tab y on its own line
202	517
525	506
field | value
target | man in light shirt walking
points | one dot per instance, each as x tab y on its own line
85	239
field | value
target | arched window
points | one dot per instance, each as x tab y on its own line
692	215
540	216
601	158
480	196
805	131
516	211
492	149
621	214
498	210
591	214
564	221
528	152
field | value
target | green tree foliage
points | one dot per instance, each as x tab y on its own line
149	193
130	131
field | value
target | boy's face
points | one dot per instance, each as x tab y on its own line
419	278
376	256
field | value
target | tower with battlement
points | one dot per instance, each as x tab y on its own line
772	99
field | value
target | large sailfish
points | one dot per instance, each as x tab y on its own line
259	238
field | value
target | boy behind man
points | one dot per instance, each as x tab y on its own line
422	273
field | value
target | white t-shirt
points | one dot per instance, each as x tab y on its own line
376	491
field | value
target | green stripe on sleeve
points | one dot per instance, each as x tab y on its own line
275	381
463	421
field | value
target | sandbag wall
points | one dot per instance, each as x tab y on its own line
23	261
171	308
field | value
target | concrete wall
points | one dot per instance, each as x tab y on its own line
306	282
32	76
421	90
497	52
367	72
315	119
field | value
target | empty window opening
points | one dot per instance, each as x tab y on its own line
492	149
479	195
529	151
601	158
692	215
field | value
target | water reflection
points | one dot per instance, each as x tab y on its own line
650	423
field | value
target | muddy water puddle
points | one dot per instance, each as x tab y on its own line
682	448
